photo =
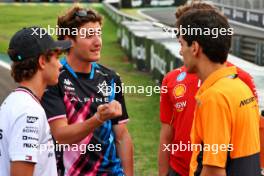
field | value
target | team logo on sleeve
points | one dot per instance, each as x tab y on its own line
104	89
179	90
181	76
31	119
67	82
30	129
180	106
68	85
28	158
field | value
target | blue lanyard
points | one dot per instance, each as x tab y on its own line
94	65
68	67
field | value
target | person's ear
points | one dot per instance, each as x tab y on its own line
42	61
195	48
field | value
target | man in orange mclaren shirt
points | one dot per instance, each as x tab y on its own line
262	142
176	112
225	131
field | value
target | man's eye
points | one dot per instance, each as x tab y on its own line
89	36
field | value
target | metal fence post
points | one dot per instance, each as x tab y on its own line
236	47
259	58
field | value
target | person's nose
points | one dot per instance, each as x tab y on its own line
97	40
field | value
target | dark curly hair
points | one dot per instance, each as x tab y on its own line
26	69
76	17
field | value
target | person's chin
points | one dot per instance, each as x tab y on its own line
53	83
94	59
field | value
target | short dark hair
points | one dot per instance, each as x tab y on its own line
70	19
216	49
193	5
27	68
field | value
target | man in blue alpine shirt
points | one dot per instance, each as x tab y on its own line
74	110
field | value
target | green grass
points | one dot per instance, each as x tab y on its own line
143	110
15	17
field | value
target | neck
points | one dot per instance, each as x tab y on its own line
77	64
204	72
36	85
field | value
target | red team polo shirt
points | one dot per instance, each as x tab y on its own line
177	109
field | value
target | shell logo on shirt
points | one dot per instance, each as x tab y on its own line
179	90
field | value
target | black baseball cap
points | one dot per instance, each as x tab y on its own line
33	41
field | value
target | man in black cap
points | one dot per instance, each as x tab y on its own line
25	140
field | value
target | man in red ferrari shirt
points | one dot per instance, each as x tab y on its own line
176	112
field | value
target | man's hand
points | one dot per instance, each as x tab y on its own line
66	133
110	110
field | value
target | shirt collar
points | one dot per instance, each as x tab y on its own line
28	91
215	76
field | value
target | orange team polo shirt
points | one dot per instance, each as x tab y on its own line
226	125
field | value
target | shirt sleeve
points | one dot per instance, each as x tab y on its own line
213	125
52	102
119	96
166	107
25	136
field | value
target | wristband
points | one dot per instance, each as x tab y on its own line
97	116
